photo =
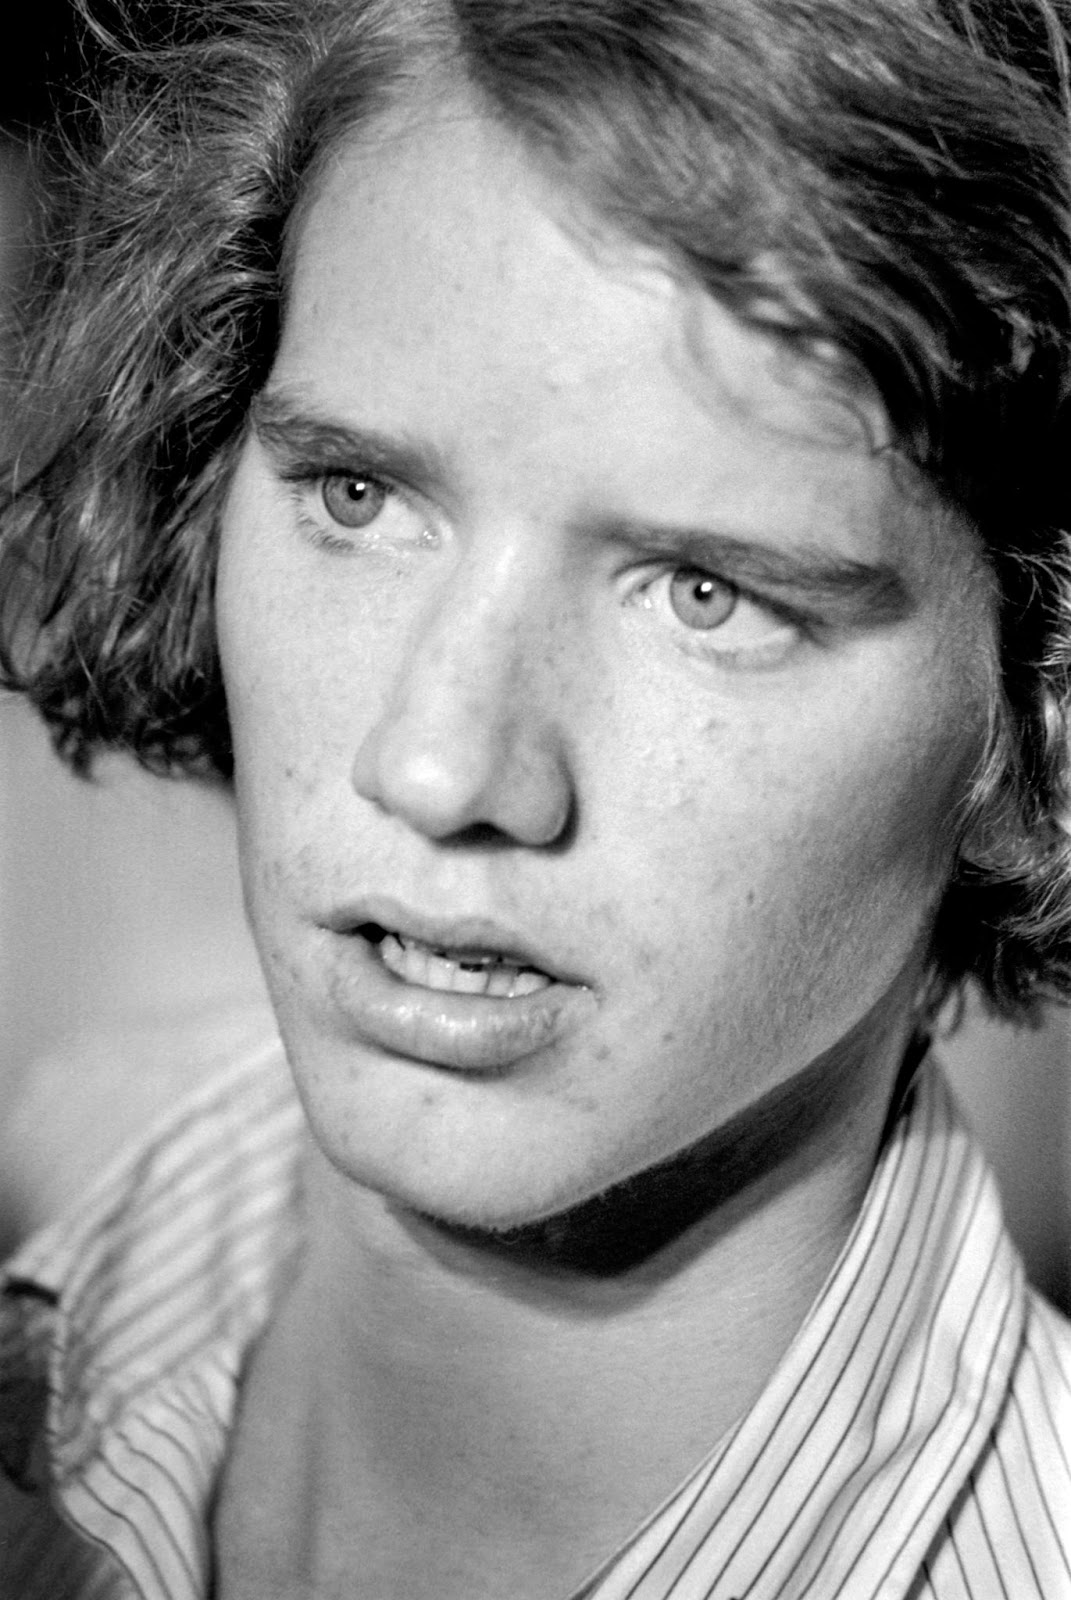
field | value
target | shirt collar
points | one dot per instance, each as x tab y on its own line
125	1332
838	1478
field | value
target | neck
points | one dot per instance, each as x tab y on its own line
606	1351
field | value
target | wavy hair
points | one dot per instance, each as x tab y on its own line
889	180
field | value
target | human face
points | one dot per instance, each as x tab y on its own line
565	622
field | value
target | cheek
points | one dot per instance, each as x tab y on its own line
797	859
278	728
295	692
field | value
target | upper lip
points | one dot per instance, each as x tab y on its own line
473	935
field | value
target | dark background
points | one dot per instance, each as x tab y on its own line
40	65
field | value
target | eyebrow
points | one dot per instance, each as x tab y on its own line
836	590
301	436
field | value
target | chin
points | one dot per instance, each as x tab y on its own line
491	1201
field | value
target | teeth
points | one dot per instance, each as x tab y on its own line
442	973
417	963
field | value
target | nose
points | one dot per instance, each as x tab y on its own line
470	734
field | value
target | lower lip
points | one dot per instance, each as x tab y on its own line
463	1032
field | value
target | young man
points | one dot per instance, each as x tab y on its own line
591	475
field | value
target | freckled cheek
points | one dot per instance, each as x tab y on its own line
285	753
850	884
294	711
740	836
906	786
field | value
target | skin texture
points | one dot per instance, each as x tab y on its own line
720	814
485	705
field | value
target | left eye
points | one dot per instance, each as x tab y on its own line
712	617
352	499
699	600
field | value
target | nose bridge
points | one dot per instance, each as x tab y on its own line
469	733
474	637
481	651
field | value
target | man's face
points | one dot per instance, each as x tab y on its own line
599	697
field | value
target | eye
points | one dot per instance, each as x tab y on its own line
712	618
352	498
699	600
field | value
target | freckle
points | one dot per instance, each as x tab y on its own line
304	863
645	958
668	1038
605	913
583	1102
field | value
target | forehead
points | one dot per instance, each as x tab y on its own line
417	207
445	282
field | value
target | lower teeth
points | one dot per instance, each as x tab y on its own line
416	963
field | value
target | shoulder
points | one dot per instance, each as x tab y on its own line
217	1131
42	1558
84	1104
128	1316
27	1525
1009	1531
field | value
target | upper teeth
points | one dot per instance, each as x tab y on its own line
467	972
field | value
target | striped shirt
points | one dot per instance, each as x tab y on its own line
915	1440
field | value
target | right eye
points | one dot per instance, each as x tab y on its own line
353	499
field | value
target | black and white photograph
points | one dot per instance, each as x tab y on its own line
535	800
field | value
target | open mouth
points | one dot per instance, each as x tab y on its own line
453	971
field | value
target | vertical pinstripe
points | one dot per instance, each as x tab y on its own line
914	1442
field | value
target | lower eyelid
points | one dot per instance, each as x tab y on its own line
324	537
